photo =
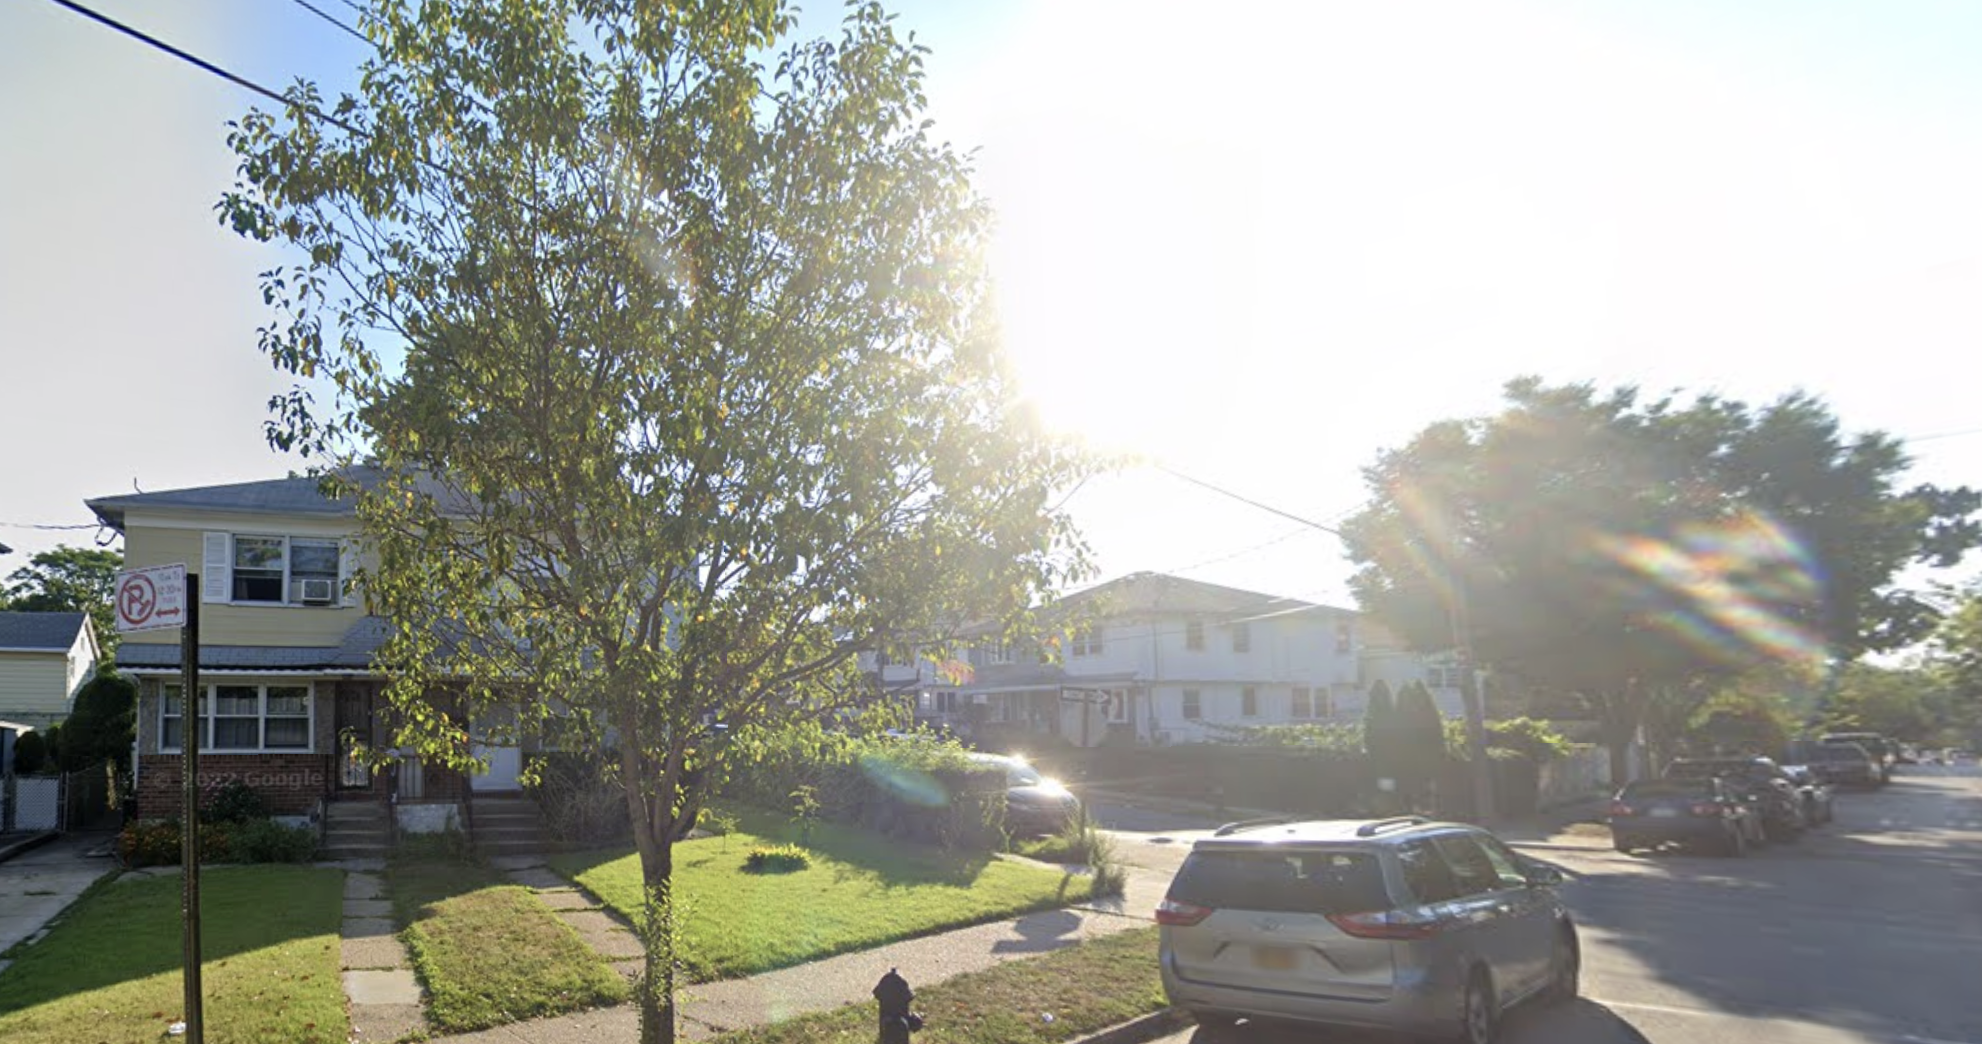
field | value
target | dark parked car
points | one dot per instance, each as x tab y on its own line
1702	813
1840	764
1033	804
1884	751
1817	793
1757	779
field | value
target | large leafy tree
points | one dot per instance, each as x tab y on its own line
699	397
1610	548
68	580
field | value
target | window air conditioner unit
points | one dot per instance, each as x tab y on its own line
314	592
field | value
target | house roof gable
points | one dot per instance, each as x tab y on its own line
1160	594
50	632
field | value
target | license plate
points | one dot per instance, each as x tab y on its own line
1664	813
1273	958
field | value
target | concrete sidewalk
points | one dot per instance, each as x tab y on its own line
711	1008
38	884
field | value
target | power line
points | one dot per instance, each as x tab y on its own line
47	526
319	12
1941	435
1242	552
206	66
1243	499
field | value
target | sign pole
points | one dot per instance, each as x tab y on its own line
189	855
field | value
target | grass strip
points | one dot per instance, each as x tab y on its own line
110	970
490	952
1086	987
861	890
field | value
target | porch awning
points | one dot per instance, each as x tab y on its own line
1047	678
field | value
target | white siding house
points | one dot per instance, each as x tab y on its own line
1155	659
44	659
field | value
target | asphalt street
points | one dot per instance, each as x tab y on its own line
1867	930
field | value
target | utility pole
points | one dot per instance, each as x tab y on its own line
1469	694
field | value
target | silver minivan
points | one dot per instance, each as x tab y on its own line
1399	924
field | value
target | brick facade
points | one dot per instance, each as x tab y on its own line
292	784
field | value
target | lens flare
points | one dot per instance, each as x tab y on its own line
1735	589
909	784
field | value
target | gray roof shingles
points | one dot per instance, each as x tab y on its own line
55	632
353	653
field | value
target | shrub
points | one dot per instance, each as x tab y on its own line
30	753
581	801
235	803
267	841
156	842
776	859
924	790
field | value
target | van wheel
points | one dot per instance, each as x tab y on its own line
1479	1020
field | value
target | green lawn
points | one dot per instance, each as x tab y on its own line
109	972
862	890
490	952
1085	988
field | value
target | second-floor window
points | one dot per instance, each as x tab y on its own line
266	569
1194	635
1242	637
1085	642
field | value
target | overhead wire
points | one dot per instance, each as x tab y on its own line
321	13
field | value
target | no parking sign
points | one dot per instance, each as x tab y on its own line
151	599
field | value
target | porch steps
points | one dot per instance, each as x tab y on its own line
355	830
507	825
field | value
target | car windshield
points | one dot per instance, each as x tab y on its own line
1017	773
1283	881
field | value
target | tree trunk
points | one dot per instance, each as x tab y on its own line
653	839
1620	760
657	936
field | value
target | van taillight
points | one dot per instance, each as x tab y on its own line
1619	808
1705	808
1388	924
1180	914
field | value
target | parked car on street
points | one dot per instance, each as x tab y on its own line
1840	764
1816	792
1034	804
1705	813
1758	779
1394	924
1884	751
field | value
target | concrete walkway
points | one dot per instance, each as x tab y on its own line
39	883
602	930
711	1008
378	975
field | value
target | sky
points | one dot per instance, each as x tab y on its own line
1258	251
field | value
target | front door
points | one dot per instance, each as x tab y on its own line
496	743
354	733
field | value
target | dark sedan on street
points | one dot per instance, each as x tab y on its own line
1699	813
1034	805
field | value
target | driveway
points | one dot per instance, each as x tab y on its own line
42	882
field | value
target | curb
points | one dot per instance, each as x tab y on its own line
27	843
1134	1031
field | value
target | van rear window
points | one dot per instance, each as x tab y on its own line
1282	881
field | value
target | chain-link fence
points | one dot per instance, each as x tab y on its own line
79	800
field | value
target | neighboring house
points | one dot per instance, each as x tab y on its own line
1158	660
1385	657
44	659
286	648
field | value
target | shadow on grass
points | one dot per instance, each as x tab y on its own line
131	929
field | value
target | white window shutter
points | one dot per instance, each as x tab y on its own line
216	580
347	562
